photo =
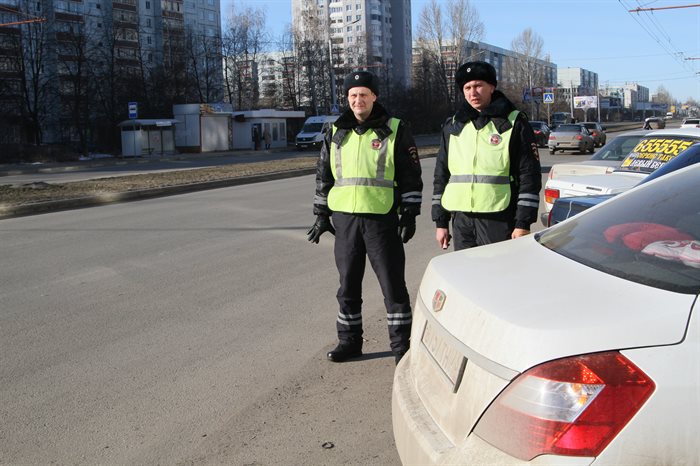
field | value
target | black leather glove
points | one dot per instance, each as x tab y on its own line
407	226
322	225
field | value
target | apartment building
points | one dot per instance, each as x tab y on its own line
364	34
80	40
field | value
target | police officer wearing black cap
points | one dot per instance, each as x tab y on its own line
487	175
368	178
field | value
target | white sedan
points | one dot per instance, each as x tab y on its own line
651	151
600	368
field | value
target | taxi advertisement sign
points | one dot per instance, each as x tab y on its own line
650	154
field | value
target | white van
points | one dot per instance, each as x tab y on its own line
315	128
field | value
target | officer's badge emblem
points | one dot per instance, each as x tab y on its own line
496	139
357	76
376	144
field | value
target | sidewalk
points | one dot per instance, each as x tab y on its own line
231	156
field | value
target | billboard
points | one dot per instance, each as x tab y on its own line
586	101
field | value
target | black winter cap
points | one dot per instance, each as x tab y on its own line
475	70
361	79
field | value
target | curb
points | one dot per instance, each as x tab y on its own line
113	198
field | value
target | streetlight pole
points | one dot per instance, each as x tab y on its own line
334	97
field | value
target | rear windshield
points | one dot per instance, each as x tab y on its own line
535	124
569	128
650	235
618	148
650	153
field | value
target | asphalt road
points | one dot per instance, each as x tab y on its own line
188	329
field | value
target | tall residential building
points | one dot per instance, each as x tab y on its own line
364	34
83	41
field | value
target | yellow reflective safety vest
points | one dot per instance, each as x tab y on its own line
363	168
479	164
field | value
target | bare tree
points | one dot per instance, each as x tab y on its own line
242	44
35	82
311	46
445	34
525	71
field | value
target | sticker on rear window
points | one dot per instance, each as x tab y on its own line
650	154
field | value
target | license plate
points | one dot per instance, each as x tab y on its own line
450	361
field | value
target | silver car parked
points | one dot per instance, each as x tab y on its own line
574	136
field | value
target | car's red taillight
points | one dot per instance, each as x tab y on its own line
551	195
579	137
537	132
551	137
571	407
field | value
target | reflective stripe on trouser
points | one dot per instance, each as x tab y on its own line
375	237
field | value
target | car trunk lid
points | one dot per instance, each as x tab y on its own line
495	322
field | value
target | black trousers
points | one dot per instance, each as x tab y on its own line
375	237
469	230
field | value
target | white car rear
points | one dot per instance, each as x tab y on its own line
601	368
650	152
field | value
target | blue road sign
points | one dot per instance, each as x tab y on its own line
548	97
133	110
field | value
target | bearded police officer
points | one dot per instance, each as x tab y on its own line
487	173
368	178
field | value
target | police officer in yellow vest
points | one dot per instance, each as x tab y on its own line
368	178
487	175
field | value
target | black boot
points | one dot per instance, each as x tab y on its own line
344	351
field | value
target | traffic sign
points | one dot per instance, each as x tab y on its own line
133	110
548	97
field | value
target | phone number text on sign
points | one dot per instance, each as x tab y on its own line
663	146
650	154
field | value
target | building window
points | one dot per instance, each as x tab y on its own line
148	22
148	5
148	40
358	17
348	18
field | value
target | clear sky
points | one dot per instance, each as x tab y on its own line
660	47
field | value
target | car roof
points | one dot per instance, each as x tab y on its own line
695	132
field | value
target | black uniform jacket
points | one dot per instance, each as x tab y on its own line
524	160
409	185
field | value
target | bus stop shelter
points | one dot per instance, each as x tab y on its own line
147	137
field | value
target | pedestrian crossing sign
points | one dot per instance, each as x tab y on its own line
548	97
